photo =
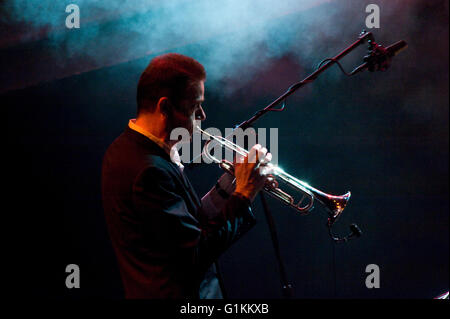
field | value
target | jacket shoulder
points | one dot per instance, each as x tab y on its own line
134	153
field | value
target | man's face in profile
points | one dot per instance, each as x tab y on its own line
190	109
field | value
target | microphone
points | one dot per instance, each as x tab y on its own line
379	57
356	231
396	48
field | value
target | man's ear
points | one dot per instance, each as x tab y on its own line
163	106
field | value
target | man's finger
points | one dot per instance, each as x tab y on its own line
262	154
253	154
267	158
240	159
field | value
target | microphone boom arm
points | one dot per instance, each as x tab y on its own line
364	36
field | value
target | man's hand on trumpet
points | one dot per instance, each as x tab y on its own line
252	171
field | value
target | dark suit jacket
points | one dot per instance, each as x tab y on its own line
163	240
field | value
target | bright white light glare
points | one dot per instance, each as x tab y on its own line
443	296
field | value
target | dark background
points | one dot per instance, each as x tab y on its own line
384	136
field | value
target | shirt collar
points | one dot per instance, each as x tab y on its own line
172	151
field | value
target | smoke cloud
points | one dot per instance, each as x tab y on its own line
233	39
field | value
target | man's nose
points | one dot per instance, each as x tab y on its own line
200	115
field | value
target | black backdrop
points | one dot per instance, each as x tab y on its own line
383	136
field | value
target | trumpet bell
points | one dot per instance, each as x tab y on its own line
334	204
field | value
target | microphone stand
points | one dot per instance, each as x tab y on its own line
287	289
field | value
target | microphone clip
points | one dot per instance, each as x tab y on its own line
355	232
378	57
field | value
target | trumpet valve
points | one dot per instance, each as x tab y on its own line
271	182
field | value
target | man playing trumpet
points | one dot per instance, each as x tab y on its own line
166	239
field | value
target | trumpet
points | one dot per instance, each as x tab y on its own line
333	204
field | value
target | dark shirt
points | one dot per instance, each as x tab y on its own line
165	243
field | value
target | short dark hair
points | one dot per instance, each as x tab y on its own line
168	75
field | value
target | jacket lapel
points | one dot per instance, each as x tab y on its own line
191	196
